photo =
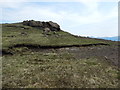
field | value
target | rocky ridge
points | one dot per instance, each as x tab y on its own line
46	26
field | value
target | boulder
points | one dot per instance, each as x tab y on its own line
47	30
54	25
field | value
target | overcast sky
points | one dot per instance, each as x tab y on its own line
98	19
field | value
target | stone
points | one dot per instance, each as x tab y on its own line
47	30
54	25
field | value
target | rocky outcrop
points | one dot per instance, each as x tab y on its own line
42	25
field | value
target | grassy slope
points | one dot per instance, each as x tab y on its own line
35	36
51	69
31	69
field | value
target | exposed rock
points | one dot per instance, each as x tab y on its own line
42	25
33	23
23	33
47	29
54	26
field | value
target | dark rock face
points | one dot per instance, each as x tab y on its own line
42	25
53	26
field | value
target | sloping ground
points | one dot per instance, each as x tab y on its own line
33	59
10	50
59	68
14	34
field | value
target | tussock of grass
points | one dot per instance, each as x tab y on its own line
53	70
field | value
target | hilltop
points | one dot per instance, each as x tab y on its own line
41	33
38	54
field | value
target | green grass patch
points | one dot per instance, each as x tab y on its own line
12	35
56	70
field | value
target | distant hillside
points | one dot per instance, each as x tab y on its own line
41	33
116	38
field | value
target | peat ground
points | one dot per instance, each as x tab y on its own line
103	51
